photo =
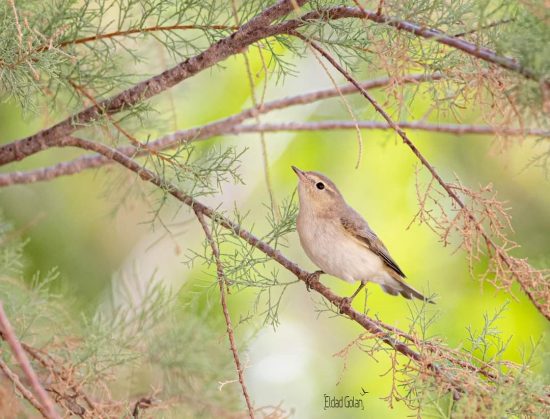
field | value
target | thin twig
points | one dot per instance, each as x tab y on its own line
347	106
135	31
19	353
488	26
223	297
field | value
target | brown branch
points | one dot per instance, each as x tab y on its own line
207	131
367	323
457	129
14	378
256	29
197	134
252	31
541	306
19	353
223	297
483	53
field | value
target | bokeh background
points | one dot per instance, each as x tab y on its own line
98	238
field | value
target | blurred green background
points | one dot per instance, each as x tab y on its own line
95	235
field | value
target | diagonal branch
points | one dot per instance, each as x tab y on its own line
252	31
483	53
230	334
8	335
256	29
537	296
26	393
426	363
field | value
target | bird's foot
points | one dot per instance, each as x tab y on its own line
345	304
314	277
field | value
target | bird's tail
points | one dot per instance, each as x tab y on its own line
396	286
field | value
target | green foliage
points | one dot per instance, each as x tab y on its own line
516	391
126	348
11	249
133	341
246	268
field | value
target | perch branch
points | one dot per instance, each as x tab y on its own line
424	362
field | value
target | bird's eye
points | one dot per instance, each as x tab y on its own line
320	185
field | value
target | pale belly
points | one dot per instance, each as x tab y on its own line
337	254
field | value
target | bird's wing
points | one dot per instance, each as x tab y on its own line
359	228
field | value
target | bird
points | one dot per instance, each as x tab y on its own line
340	242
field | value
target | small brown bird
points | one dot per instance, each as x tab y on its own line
340	242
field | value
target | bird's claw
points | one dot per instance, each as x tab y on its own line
314	277
345	303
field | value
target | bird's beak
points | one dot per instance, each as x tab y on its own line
300	174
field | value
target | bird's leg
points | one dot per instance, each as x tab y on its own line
346	301
314	277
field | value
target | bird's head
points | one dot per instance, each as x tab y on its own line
317	192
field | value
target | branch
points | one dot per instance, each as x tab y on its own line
14	378
230	127
254	30
138	31
485	54
230	334
110	35
539	298
457	129
425	363
19	353
206	131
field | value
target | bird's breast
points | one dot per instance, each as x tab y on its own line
333	250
